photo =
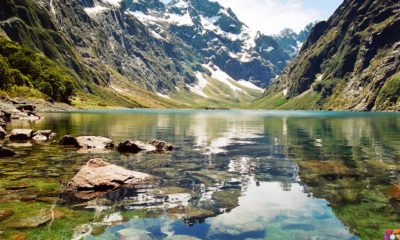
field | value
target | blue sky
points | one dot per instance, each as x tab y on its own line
271	16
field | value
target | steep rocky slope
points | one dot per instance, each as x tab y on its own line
350	62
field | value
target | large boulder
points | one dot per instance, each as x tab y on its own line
134	147
89	142
161	145
5	152
2	132
69	141
21	134
98	177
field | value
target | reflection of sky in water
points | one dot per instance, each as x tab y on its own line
266	211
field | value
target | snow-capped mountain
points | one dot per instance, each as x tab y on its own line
216	34
291	41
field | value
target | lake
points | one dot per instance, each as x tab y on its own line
233	175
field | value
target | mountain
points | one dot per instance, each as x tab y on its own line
290	41
216	35
350	62
146	53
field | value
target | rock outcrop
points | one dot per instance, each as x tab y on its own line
21	134
138	146
87	142
98	177
135	147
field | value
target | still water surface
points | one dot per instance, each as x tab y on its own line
234	175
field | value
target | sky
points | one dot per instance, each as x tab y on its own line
271	16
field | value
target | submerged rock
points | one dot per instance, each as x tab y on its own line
5	214
227	199
68	140
94	142
98	177
5	152
36	220
134	147
21	134
327	169
161	145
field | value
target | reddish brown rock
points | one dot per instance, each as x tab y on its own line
5	214
393	191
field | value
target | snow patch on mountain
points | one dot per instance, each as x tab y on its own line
95	10
222	76
150	19
250	85
113	2
202	83
162	95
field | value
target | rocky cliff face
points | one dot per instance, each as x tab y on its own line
350	62
216	34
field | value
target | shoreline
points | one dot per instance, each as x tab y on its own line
46	106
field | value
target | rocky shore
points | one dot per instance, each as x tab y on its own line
94	179
41	105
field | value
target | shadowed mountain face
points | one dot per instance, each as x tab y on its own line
108	45
348	62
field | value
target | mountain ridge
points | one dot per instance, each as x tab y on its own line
349	62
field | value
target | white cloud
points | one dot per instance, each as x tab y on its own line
271	16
